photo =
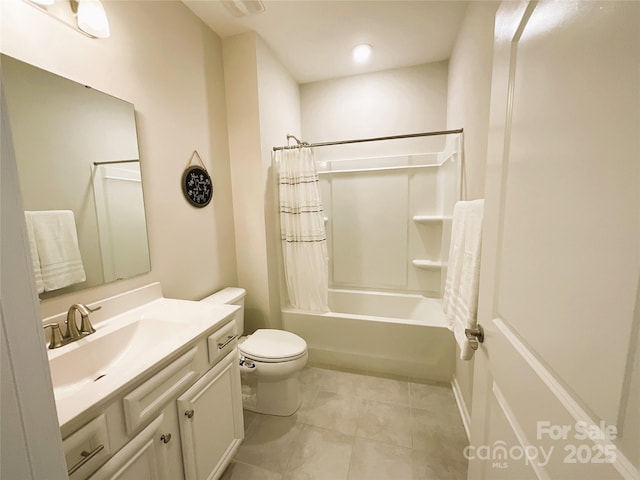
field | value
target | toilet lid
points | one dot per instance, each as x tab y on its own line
271	345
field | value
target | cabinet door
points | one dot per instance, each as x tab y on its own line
211	425
140	459
171	450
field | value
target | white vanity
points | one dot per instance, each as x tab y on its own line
154	393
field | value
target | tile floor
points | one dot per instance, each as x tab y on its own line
356	427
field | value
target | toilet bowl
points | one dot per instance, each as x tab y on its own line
270	361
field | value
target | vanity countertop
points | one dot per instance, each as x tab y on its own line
125	349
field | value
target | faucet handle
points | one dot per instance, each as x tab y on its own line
85	323
56	336
90	310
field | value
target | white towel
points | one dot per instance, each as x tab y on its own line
460	299
35	259
56	240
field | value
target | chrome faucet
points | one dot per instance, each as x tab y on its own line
72	332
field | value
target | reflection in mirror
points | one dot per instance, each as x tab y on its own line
117	190
77	151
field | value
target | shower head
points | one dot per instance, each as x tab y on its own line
293	137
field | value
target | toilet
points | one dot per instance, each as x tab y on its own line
270	361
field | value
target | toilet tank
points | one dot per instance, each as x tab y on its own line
230	296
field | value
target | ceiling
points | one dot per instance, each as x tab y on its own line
313	38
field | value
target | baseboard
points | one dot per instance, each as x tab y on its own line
462	407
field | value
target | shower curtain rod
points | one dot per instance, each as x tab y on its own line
360	140
115	161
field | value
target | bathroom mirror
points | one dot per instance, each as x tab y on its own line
77	150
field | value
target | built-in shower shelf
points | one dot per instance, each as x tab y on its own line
427	264
428	218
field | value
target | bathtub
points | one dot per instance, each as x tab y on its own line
395	334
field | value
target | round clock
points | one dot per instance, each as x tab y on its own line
197	186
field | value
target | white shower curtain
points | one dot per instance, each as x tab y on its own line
304	243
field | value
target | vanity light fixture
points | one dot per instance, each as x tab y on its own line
91	17
361	53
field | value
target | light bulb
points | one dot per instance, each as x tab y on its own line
361	53
92	18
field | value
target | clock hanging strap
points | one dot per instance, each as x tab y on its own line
196	155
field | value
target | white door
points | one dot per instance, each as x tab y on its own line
557	380
30	441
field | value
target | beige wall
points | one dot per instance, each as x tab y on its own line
469	95
166	62
241	80
279	96
391	102
470	89
263	105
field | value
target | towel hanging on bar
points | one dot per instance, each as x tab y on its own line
460	299
56	240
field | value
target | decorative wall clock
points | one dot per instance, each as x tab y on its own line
197	185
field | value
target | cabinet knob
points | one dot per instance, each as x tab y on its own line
189	413
166	437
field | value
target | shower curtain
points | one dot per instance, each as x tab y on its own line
304	243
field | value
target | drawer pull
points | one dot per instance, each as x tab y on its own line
230	339
189	413
87	456
166	437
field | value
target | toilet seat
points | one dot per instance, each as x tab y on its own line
273	346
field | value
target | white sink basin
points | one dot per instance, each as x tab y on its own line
124	348
92	358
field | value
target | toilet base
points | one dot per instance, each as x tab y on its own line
281	398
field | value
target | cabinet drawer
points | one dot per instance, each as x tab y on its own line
87	448
222	342
146	401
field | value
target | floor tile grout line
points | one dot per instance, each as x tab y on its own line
364	397
353	446
411	423
369	399
252	425
291	450
255	466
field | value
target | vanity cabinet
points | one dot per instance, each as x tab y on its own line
211	424
183	420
